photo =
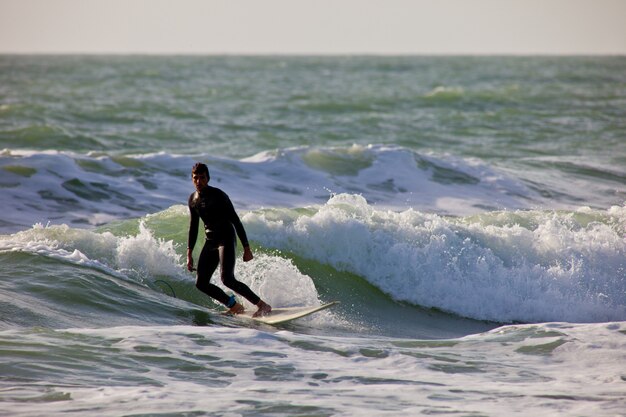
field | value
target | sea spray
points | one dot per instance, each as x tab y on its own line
147	255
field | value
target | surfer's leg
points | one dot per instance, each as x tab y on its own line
207	263
227	262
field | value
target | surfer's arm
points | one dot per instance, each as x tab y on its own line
241	232
194	220
236	222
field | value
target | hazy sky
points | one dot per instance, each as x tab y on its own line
314	26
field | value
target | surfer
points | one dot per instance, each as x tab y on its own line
213	206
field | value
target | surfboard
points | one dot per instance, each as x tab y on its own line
285	314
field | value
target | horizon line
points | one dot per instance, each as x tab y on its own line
320	54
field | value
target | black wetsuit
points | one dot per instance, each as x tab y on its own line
213	206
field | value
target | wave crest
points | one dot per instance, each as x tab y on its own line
522	266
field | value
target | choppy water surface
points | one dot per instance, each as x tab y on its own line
468	213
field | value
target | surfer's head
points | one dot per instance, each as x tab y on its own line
200	175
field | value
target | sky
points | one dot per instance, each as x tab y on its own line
313	27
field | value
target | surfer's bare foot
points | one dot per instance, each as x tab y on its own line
236	309
263	310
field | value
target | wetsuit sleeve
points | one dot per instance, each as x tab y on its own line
194	220
234	219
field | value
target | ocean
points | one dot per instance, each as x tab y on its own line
468	213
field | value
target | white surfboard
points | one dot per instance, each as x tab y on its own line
285	314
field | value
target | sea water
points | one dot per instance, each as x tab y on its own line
467	212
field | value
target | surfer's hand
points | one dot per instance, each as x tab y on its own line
247	254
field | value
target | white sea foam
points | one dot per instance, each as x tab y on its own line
147	254
554	268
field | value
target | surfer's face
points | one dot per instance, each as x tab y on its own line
199	180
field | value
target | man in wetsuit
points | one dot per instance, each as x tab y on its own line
213	206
